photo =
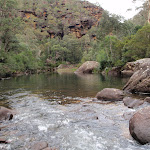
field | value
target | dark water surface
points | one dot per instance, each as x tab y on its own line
58	109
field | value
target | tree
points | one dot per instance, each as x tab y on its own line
148	5
149	12
137	46
9	24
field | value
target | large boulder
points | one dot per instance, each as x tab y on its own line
140	80
132	102
88	67
141	64
110	94
139	126
131	67
5	113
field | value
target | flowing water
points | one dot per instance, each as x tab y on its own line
58	109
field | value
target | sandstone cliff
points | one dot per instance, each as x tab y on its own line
63	17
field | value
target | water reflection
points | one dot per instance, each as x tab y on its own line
66	84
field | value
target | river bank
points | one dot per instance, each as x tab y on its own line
8	75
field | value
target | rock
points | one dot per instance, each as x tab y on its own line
3	140
88	67
141	64
139	126
115	71
147	99
128	115
110	94
139	82
127	73
131	67
48	148
62	66
131	102
128	69
5	113
39	146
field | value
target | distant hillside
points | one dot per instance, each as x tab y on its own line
61	17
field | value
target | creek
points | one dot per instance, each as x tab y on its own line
59	109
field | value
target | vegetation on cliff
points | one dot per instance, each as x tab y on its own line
41	34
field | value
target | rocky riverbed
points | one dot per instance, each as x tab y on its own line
59	112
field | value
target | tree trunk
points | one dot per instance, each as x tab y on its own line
110	46
149	11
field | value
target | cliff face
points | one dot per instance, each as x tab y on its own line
64	17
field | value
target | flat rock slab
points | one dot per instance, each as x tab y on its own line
110	94
127	73
139	126
132	102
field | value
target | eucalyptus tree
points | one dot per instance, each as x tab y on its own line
148	5
9	24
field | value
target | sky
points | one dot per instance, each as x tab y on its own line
119	7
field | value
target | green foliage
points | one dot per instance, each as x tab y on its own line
138	46
9	25
68	49
27	44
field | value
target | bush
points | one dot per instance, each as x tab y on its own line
104	64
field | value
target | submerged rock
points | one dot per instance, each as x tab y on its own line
5	113
48	148
110	94
128	115
88	67
131	102
39	146
139	126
